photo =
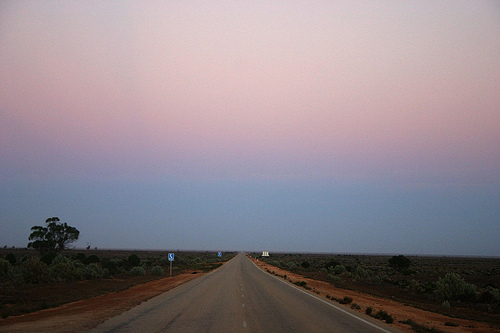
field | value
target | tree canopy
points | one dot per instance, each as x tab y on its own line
56	236
399	262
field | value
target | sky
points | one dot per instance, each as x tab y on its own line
297	126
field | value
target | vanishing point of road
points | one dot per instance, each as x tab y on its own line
240	297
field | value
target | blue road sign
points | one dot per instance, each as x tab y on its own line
219	254
170	257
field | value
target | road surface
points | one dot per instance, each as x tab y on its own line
240	297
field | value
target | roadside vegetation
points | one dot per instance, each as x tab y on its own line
32	280
457	287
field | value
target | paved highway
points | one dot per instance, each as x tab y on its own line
239	297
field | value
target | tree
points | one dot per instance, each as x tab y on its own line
56	236
305	264
399	262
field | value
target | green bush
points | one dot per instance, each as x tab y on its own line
453	287
446	305
335	279
91	259
137	271
419	327
106	274
64	269
369	310
79	256
111	266
300	283
382	315
339	269
330	265
134	260
48	257
34	271
11	257
355	306
158	271
93	272
489	295
6	270
361	273
346	300
164	261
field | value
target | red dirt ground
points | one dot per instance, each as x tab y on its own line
86	314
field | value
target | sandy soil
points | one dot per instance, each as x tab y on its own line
86	314
398	310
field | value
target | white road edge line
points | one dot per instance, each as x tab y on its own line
322	300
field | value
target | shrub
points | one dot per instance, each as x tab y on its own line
489	295
134	260
332	263
34	271
305	264
355	306
11	257
415	287
93	271
105	273
137	271
6	270
158	271
453	287
65	269
91	259
419	327
335	279
79	256
48	257
446	305
369	310
346	300
164	261
301	283
361	273
339	269
111	266
382	315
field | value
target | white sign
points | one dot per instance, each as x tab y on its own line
170	257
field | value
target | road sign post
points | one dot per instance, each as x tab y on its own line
171	259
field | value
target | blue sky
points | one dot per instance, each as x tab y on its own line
356	126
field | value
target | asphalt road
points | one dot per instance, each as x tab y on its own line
240	297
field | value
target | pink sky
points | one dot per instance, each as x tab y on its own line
309	89
331	126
